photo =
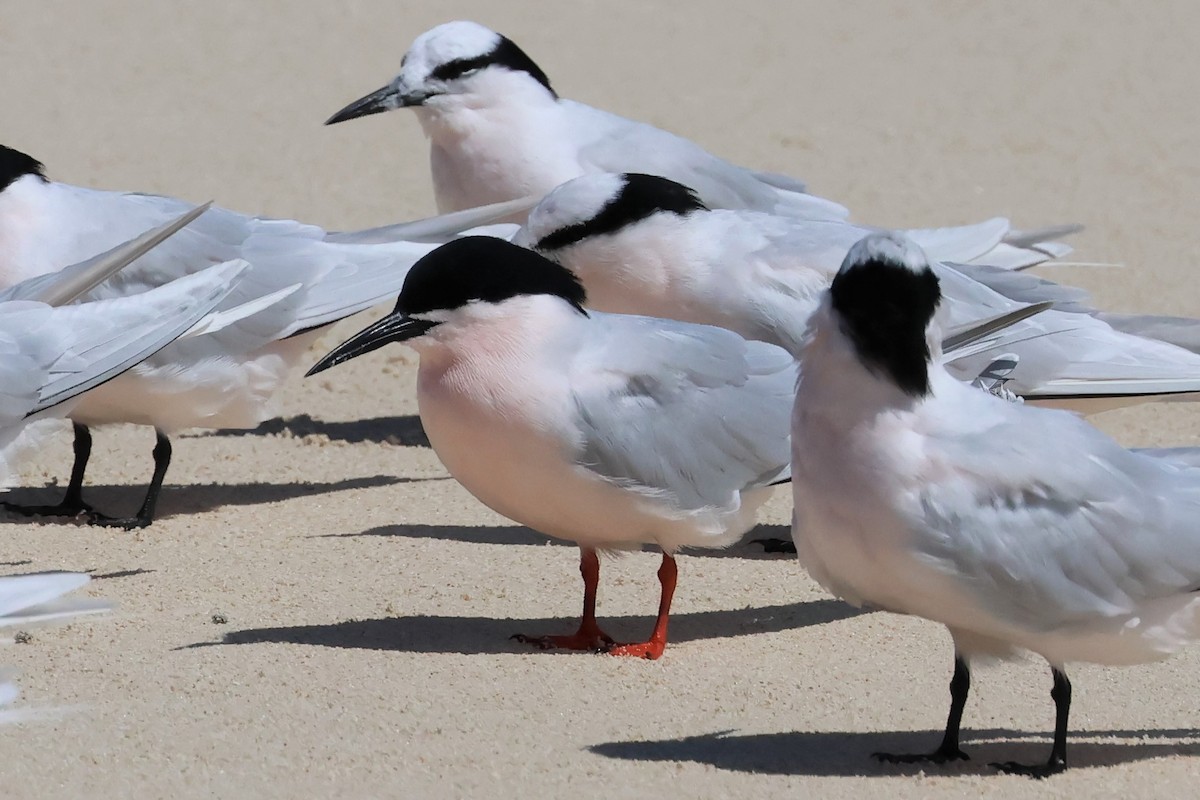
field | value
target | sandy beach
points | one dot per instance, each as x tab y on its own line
368	599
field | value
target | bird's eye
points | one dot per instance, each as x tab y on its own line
463	74
452	70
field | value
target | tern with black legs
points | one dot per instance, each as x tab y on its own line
611	431
53	356
1016	527
302	278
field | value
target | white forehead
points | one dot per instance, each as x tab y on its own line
450	42
578	200
892	247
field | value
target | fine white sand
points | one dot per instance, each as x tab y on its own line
369	599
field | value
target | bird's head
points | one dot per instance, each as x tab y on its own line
15	165
602	204
884	296
463	277
453	61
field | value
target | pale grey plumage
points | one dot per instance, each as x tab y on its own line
690	412
37	597
1009	523
1016	527
761	276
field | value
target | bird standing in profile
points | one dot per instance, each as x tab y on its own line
1018	528
302	278
53	355
611	431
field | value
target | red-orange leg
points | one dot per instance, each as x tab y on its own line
589	636
653	648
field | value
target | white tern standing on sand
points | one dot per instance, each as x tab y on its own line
607	430
643	244
224	379
1016	527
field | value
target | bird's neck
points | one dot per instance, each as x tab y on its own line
487	152
489	348
836	386
27	249
506	102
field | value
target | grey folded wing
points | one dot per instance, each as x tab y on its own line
691	413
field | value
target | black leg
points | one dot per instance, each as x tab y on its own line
776	545
72	503
83	452
162	460
1061	694
948	750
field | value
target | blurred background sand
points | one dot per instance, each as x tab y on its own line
369	598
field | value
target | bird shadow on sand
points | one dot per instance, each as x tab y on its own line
479	635
189	499
121	573
848	753
520	535
405	431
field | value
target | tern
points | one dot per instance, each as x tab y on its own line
303	278
643	244
499	131
1016	527
55	356
608	430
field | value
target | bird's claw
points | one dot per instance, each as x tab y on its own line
772	545
96	519
595	642
1035	771
938	756
650	651
64	509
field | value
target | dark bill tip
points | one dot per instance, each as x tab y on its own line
395	327
376	102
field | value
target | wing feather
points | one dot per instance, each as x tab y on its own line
690	412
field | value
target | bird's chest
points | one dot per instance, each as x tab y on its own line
853	495
485	157
497	438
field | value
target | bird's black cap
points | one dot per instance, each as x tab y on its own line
487	269
505	54
886	294
640	197
15	165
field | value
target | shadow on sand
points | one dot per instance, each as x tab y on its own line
520	535
405	431
847	753
473	635
189	499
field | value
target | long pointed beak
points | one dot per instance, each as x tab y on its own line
376	102
395	327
